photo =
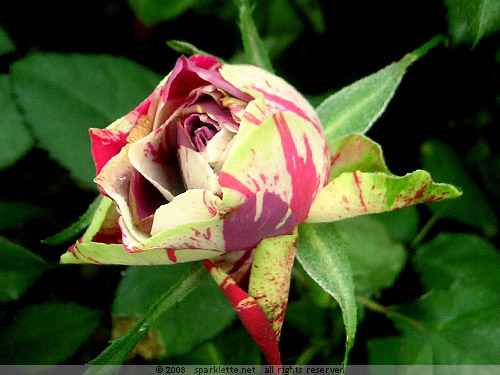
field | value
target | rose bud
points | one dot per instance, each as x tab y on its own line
221	163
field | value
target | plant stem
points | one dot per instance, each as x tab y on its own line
374	306
423	232
308	354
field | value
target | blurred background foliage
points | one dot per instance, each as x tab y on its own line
426	278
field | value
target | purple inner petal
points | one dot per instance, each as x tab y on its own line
147	197
202	136
244	228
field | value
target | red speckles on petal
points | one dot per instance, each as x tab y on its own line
420	194
334	158
358	184
171	255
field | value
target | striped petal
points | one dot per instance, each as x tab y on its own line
100	253
114	179
104	226
284	155
355	152
262	215
359	193
108	142
155	157
270	277
250	313
278	95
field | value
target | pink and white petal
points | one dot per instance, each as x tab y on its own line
189	207
355	152
261	216
155	157
359	193
217	146
250	313
196	171
270	277
279	95
203	234
107	143
215	77
295	170
114	180
99	253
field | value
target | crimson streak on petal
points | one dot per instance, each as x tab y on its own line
305	183
251	315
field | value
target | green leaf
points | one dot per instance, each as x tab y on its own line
194	320
151	12
64	95
458	256
298	315
14	215
19	269
314	13
356	107
47	333
458	326
473	208
383	351
234	347
375	257
15	139
255	50
117	352
322	254
6	44
77	227
402	225
471	20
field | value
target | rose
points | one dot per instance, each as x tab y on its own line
221	163
197	150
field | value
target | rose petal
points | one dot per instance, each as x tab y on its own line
191	221
196	172
358	193
284	155
114	180
99	253
261	216
104	225
215	78
355	152
270	277
279	95
189	207
251	314
155	157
